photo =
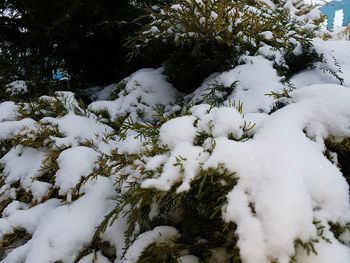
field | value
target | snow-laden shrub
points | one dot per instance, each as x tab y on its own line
52	149
47	147
241	84
26	90
208	36
223	182
217	194
162	182
139	97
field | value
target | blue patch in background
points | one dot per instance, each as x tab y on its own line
330	8
59	75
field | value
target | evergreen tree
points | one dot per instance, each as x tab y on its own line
207	36
84	37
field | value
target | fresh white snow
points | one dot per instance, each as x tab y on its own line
277	157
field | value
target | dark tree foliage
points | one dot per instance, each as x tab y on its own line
84	37
188	66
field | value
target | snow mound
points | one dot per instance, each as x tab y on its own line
8	111
74	163
249	82
281	169
143	90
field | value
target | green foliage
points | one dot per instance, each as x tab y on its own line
48	106
189	65
103	246
341	146
309	246
217	93
18	237
196	214
22	195
85	38
284	94
203	37
297	63
35	89
4	203
42	137
339	229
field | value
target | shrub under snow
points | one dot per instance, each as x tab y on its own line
191	179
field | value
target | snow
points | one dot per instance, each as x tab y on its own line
190	157
160	234
17	87
144	89
267	34
67	98
17	255
99	258
78	129
340	50
9	129
74	164
28	219
31	161
8	111
178	130
334	252
249	88
284	180
130	145
39	189
67	228
312	185
115	235
223	122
